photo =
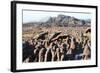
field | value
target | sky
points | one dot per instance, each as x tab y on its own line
36	16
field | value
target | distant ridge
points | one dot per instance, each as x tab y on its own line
62	21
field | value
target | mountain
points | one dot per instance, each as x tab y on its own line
62	20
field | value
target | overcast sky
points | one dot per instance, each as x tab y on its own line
36	16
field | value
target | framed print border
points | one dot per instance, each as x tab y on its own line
14	34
